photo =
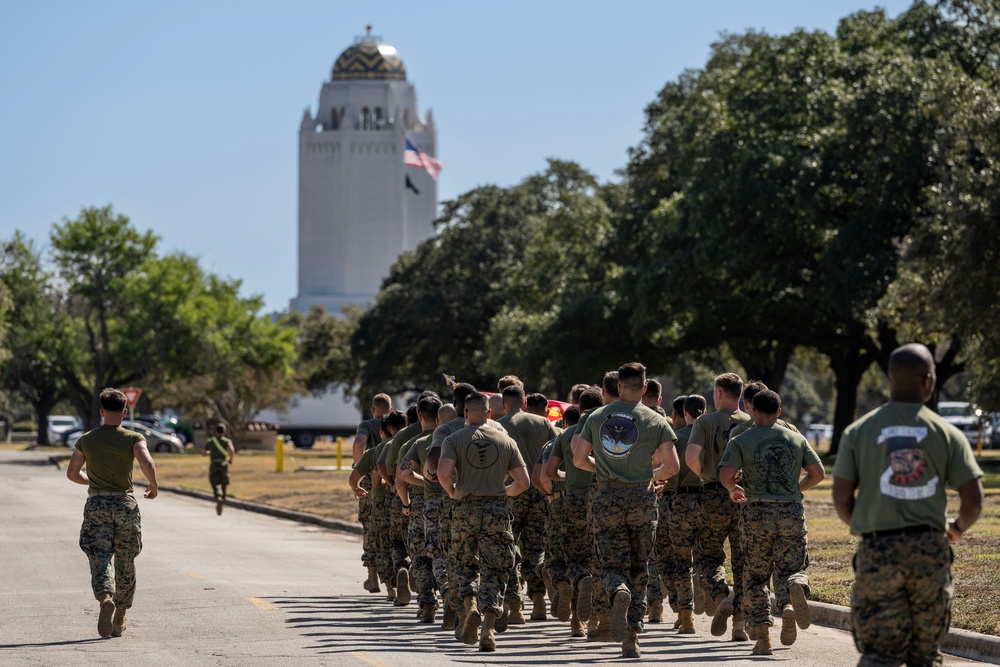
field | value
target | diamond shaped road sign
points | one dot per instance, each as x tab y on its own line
132	395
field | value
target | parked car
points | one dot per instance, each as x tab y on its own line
59	424
966	417
157	441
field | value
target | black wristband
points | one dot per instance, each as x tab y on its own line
406	506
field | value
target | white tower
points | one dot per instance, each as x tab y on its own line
359	206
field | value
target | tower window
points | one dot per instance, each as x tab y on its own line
378	118
367	121
334	120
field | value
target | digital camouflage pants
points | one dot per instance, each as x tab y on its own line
380	527
530	512
444	532
368	553
685	521
624	525
901	601
398	530
416	544
774	536
556	552
218	477
484	550
432	540
601	599
720	520
664	562
111	536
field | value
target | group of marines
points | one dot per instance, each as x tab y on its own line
621	507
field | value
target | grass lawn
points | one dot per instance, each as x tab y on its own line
977	556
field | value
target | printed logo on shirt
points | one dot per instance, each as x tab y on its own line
482	454
906	463
618	434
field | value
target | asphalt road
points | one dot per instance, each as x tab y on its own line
246	589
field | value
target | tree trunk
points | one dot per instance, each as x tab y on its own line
43	425
848	367
764	361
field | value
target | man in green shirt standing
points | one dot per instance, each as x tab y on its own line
889	485
618	442
774	524
111	534
221	450
366	438
720	518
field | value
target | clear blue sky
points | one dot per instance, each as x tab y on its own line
184	115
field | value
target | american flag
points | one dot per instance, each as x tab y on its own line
414	157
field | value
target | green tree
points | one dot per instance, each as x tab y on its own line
323	357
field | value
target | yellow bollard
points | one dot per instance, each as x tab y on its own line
279	454
340	451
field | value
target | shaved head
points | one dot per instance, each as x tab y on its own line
446	413
911	374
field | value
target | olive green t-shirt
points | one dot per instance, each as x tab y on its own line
902	456
530	432
772	459
371	429
746	426
218	453
575	478
109	452
447	428
686	476
543	459
416	454
624	437
404	455
711	431
401	438
378	456
365	465
483	456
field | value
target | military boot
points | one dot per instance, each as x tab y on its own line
739	629
592	625
119	622
371	585
427	612
630	645
712	603
104	627
219	504
516	617
803	617
460	625
656	611
550	588
619	614
487	638
500	625
538	607
686	617
788	630
677	621
763	645
604	628
390	592
585	596
565	607
449	617
699	596
721	619
402	587
470	631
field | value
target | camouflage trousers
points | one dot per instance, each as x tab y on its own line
380	528
398	530
111	536
668	567
530	513
444	532
218	477
416	544
484	550
368	552
684	522
432	540
774	536
901	600
556	558
601	599
720	520
624	525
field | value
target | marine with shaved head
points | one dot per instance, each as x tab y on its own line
889	483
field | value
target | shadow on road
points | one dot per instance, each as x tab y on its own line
69	642
371	625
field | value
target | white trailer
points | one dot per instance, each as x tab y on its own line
307	417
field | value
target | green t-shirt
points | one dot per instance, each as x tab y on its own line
902	456
575	478
529	431
220	452
543	459
624	437
711	431
772	459
746	426
416	454
447	428
378	456
404	452
483	456
371	429
401	438
686	476
110	453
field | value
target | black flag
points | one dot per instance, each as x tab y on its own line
411	186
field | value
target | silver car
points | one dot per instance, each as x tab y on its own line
157	441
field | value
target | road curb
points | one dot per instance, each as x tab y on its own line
270	510
962	643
